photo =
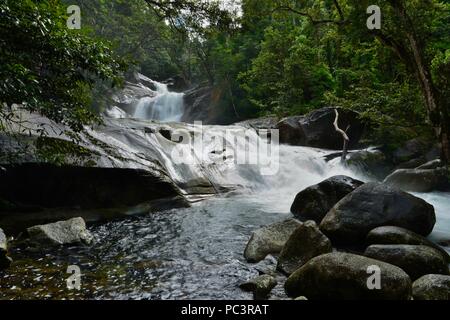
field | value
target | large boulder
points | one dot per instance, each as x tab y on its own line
62	232
432	287
397	235
419	180
5	261
314	202
416	261
345	276
260	286
269	240
374	205
372	162
304	244
316	129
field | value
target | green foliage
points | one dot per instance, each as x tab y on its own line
135	32
62	152
296	83
49	68
279	57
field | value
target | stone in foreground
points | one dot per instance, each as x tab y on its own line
374	205
416	261
432	287
60	233
260	286
314	202
397	235
5	261
304	244
269	239
344	276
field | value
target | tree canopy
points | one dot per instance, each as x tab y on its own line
49	68
263	57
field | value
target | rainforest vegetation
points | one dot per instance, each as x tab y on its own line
264	57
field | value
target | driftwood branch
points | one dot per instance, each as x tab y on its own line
344	136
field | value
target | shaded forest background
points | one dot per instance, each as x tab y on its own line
264	57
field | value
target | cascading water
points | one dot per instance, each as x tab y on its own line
165	106
196	252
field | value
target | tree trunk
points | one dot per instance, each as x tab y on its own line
436	109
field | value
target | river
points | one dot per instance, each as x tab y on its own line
192	253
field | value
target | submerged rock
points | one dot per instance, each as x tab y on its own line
60	233
397	235
373	205
316	129
344	276
260	286
314	202
432	287
419	180
416	261
269	239
5	261
304	244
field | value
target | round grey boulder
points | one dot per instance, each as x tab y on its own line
432	287
304	244
416	261
61	232
374	205
269	240
345	276
314	202
397	235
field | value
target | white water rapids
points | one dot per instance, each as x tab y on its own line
299	167
165	106
196	252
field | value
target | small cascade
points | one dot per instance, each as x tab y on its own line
165	106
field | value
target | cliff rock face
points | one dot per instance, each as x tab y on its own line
119	169
201	103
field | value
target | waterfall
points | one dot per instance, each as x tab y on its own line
165	106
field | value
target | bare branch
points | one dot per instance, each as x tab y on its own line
344	136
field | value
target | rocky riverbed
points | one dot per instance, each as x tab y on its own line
161	230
